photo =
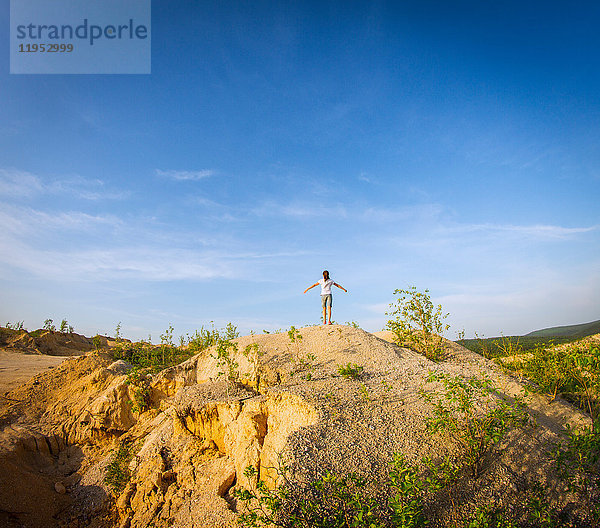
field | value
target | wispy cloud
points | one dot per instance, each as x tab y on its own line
24	220
17	183
300	210
139	263
87	189
66	246
546	299
538	231
182	175
423	213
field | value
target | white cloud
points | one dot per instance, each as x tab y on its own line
65	246
300	210
24	220
185	175
423	213
540	231
139	263
86	189
550	298
19	183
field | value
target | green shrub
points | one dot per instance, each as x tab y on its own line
117	473
417	323
350	371
224	355
140	386
97	341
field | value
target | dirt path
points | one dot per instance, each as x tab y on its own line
16	368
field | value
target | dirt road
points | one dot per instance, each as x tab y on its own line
16	368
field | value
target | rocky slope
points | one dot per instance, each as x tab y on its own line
49	342
286	402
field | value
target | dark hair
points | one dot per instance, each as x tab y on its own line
326	275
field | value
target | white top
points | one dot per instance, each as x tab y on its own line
326	286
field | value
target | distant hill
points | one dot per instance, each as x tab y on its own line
579	330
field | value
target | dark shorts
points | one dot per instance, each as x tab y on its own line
327	300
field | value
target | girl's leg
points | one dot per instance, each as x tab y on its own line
324	315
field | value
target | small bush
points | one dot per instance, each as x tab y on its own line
140	387
417	323
117	473
350	371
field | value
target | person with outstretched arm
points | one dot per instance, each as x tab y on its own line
326	296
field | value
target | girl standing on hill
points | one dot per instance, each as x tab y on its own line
326	295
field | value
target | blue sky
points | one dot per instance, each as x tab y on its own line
453	146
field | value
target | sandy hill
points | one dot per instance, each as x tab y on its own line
287	403
49	342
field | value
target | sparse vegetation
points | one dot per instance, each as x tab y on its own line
573	371
350	371
147	356
493	347
577	459
417	324
97	341
302	363
201	340
18	326
225	360
329	501
118	335
570	370
117	473
140	386
458	410
335	501
295	339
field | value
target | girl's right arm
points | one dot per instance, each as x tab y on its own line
315	284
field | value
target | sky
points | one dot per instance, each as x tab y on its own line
450	146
